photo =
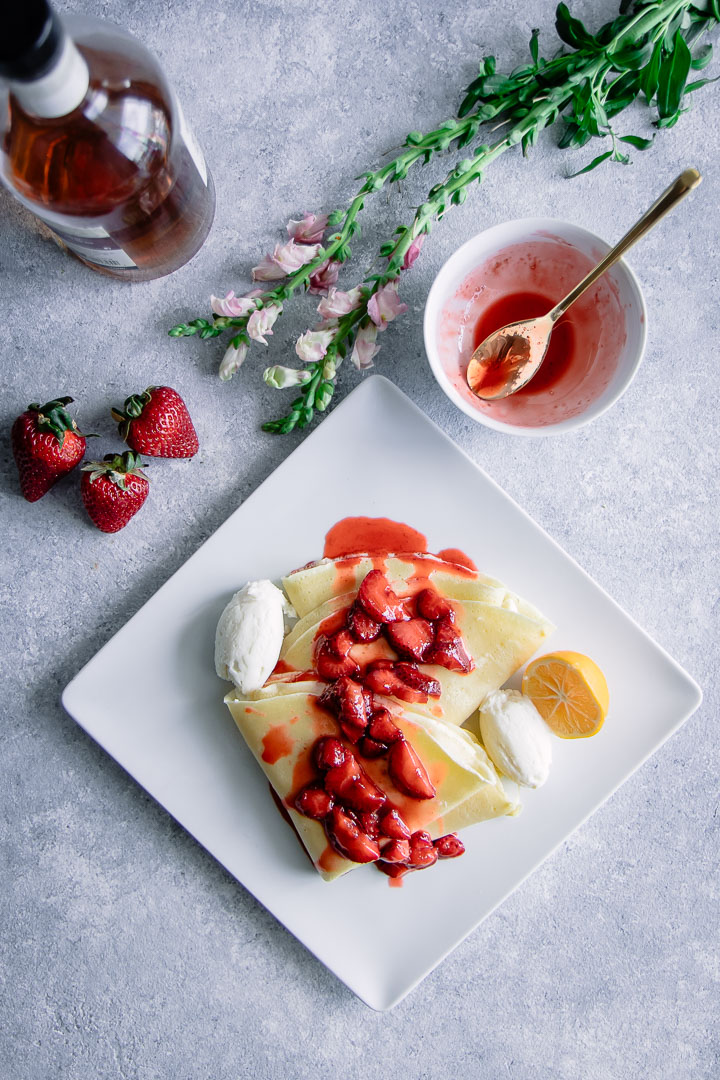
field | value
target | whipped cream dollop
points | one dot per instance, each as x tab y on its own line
249	635
516	737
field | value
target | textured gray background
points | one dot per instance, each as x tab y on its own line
126	950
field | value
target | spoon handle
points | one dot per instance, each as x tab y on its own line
662	206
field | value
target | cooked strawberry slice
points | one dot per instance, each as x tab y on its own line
329	700
348	839
361	626
379	601
449	847
370	748
408	772
422	851
362	794
329	753
397	851
330	666
449	649
341	643
314	802
351	696
392	825
382	728
417	680
351	784
392	869
369	824
410	639
432	606
339	778
382	678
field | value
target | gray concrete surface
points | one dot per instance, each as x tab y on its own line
126	951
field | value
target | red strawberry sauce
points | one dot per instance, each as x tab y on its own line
278	743
379	537
520	282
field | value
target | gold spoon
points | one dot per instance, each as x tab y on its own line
509	358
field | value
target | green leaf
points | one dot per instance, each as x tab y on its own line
593	164
534	46
571	30
633	57
414	138
651	72
674	71
702	58
638	142
698	83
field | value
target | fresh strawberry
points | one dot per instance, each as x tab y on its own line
157	423
382	728
410	639
113	490
449	847
361	626
392	825
347	837
379	601
449	649
432	606
408	773
330	666
314	802
46	444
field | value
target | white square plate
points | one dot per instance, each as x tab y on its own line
370	457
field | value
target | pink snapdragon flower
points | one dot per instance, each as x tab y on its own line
285	259
308	231
338	303
365	348
232	305
233	359
324	277
261	322
313	344
413	251
280	377
385	305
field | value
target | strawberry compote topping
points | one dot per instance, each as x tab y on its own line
359	819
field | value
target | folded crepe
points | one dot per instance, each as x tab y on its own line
282	722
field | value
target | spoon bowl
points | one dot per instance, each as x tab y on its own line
506	360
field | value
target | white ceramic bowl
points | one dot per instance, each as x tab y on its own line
490	243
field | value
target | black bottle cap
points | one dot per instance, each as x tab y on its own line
31	37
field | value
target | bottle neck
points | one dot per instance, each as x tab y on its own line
60	90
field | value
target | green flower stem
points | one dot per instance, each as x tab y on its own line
645	51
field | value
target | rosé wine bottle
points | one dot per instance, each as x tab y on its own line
94	142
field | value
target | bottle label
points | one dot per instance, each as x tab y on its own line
100	256
92	243
193	146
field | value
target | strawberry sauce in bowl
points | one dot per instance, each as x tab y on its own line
519	270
